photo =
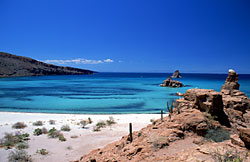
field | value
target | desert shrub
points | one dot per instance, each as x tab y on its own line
9	140
52	122
22	145
38	132
101	124
217	135
42	151
65	128
153	121
90	121
54	133
19	125
38	123
228	156
96	129
139	134
19	156
84	123
110	121
69	148
61	138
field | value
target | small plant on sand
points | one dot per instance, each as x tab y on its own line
61	138
38	123
101	124
52	122
83	123
170	109
96	129
54	133
153	121
19	156
10	140
217	135
110	121
228	156
42	151
69	148
65	128
37	132
22	145
90	120
19	125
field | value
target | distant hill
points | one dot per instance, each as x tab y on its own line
12	66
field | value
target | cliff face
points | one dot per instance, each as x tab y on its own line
12	66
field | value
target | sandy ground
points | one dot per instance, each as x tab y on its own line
73	148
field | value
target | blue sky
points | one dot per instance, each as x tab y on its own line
206	36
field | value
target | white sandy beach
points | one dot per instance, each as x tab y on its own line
87	139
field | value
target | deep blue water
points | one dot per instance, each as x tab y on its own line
101	92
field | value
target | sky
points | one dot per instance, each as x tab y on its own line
193	36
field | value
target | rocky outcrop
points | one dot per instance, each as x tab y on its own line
176	74
13	66
231	82
171	83
180	136
236	103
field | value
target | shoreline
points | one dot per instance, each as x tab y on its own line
86	140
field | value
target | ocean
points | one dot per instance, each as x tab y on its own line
101	93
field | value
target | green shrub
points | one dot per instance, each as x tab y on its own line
9	140
110	121
38	132
101	124
96	129
228	156
38	123
53	133
62	138
65	128
217	135
42	152
19	156
22	145
90	121
19	125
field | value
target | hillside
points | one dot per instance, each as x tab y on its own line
13	66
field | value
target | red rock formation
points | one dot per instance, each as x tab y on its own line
180	137
171	83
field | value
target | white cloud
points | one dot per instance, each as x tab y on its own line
79	61
108	60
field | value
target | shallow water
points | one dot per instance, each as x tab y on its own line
101	93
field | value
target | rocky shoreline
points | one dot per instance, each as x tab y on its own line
204	126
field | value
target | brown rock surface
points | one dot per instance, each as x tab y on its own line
176	74
231	82
245	136
171	83
180	136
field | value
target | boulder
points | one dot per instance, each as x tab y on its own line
176	74
171	83
245	136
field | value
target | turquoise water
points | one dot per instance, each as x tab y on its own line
101	93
